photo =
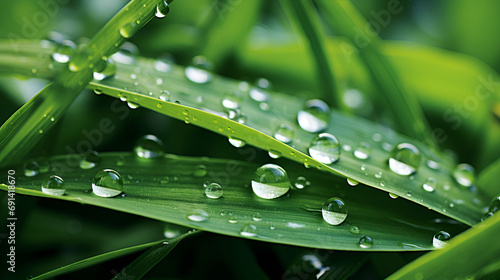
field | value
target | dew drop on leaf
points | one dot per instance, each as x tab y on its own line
352	182
64	51
314	116
199	71
214	190
200	171
236	142
149	146
365	242
107	183
90	160
362	151
301	183
464	174
198	215
249	230
334	211
429	185
105	70
404	159
31	168
284	133
325	148
162	9
441	239
53	185
270	181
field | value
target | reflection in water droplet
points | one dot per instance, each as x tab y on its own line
440	239
270	181
236	142
365	242
54	185
464	174
249	230
90	160
493	208
393	196
334	211
149	146
197	215
107	183
162	9
352	182
214	190
325	148
404	159
315	116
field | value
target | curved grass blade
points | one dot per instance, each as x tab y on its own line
346	20
147	260
168	189
23	130
465	256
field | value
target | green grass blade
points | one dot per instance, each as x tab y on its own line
346	20
147	260
489	178
464	257
23	130
305	13
168	189
94	260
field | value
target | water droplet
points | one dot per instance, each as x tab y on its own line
409	193
64	52
132	105
464	174
387	147
105	70
31	168
231	101
325	148
214	190
393	196
362	151
377	137
232	219
164	64
249	230
353	98
365	242
257	217
352	182
107	183
493	208
315	116
378	175
274	154
200	171
284	133
165	95
126	54
90	160
173	230
162	9
197	215
404	159
334	211
53	185
270	181
149	146
236	142
259	93
440	239
354	229
199	71
128	29
429	185
432	165
301	183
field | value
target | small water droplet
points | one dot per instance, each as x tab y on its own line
199	72
126	54
270	181
441	239
464	174
249	230
64	51
214	190
365	242
378	175
90	160
404	159
315	116
492	208
197	215
165	95
107	183
284	133
31	168
164	64
173	230
301	183
257	217
362	151
105	70
236	142
259	93
432	165
129	29
200	171
53	185
149	146
354	229
377	137
334	211
232	219
231	101
352	182
274	154
162	9
429	185
325	148
393	196
409	193
132	105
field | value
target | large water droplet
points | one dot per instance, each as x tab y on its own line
105	70
334	211
365	242
162	9
90	160
31	168
107	183
464	174
284	133
362	151
249	230
214	190
440	239
64	51
325	148
199	71
129	29
54	185
149	146
236	142
404	159
315	116
429	185
198	215
270	181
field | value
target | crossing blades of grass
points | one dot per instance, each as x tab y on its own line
171	189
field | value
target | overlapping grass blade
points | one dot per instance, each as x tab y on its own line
168	189
489	178
465	256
